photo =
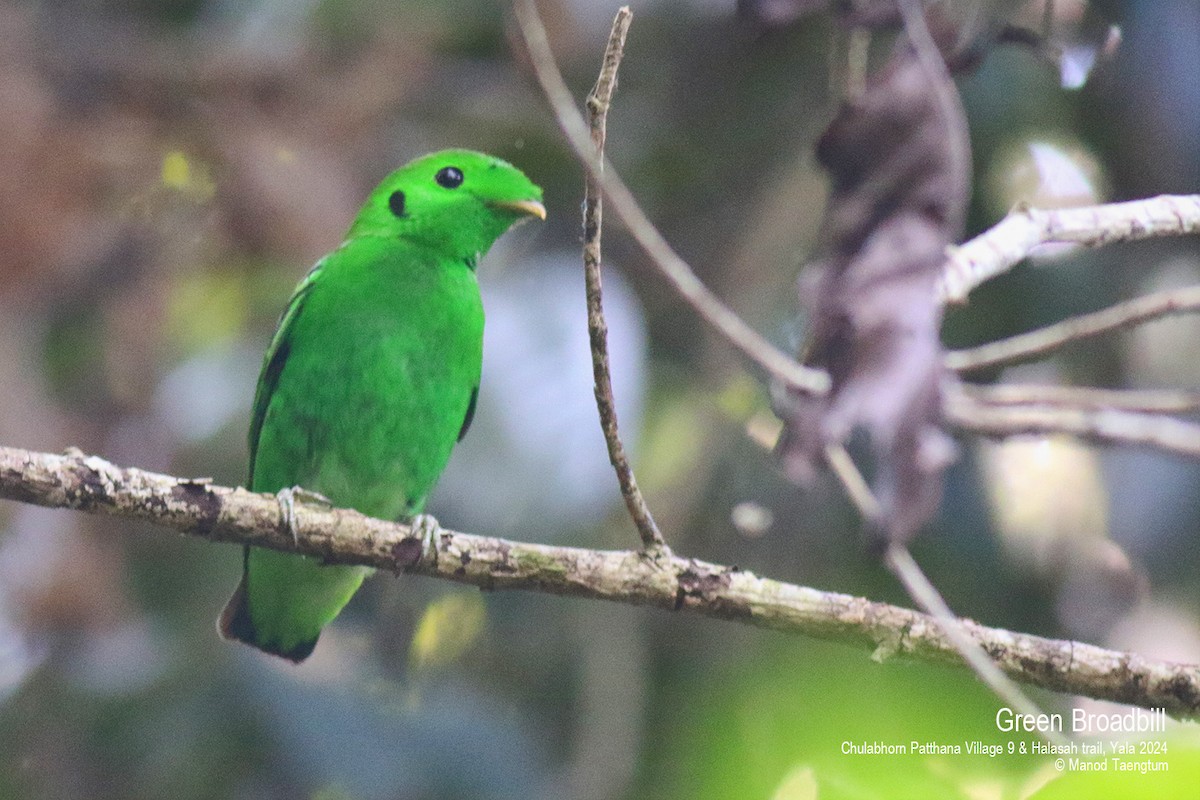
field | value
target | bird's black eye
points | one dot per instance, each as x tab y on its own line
449	177
396	203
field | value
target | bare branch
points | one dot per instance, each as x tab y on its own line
668	263
857	490
1103	426
1037	343
1005	245
1146	401
598	102
340	536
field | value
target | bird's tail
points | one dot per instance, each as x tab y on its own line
283	602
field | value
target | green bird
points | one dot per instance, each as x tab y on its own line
372	376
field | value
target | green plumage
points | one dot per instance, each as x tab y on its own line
371	376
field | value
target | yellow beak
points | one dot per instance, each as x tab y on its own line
531	207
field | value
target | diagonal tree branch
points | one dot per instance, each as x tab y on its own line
220	514
1037	343
969	414
1144	401
1011	240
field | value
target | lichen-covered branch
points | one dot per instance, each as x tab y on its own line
1010	241
221	514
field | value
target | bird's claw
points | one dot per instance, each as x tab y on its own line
426	527
287	506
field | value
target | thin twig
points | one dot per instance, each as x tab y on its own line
598	102
673	268
849	54
1103	426
1010	241
1048	21
853	483
901	564
1034	344
954	117
858	52
1146	401
922	591
340	536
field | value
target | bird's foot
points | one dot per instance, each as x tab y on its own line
287	506
426	528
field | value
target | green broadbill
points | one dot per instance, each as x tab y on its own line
372	376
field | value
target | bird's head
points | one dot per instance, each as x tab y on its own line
457	202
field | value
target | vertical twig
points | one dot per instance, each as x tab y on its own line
772	360
598	101
858	51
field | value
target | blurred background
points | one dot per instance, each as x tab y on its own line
169	171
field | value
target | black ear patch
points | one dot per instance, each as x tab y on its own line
396	203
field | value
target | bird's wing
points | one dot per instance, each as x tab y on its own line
470	415
276	357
